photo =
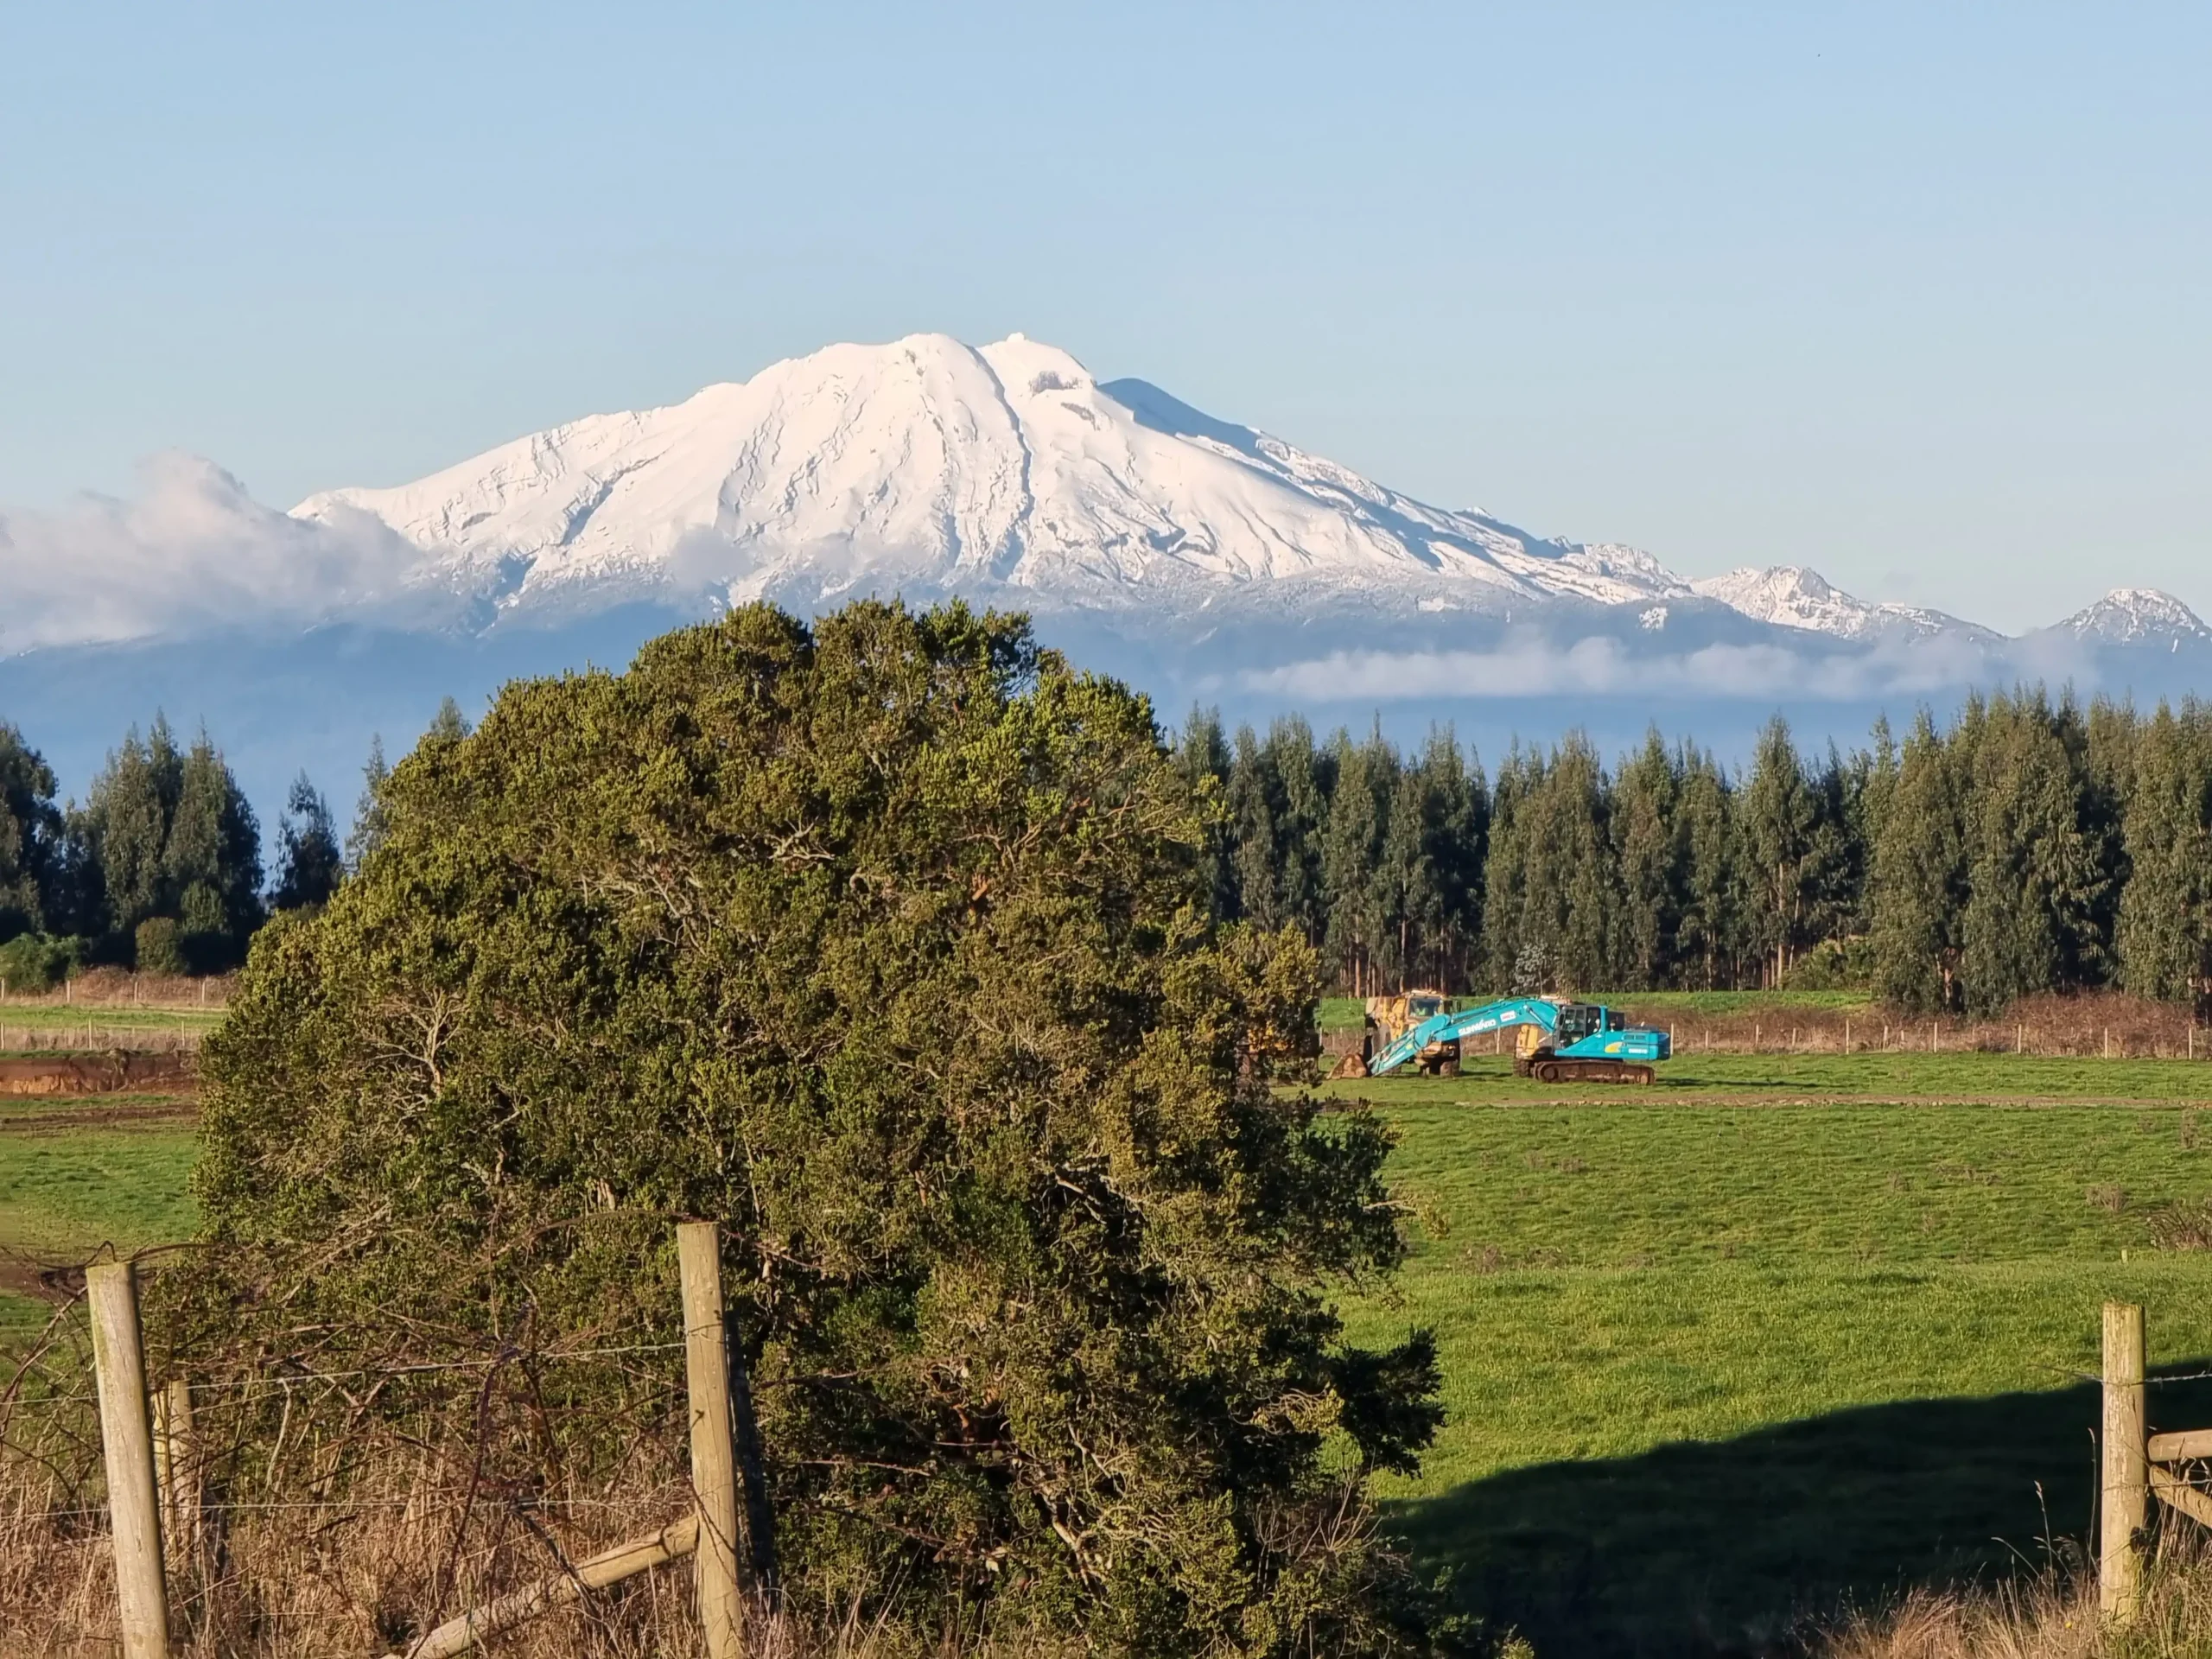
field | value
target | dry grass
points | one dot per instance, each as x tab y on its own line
320	1550
365	1576
120	987
2185	1224
372	1574
2089	1026
93	1038
320	1530
2051	1617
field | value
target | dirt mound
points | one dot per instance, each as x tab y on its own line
94	1074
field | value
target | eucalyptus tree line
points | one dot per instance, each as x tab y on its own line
2027	845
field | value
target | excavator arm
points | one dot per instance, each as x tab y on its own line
1445	1027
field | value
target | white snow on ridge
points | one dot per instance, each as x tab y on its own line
2128	616
926	465
1790	596
933	463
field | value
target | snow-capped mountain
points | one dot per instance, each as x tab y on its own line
1790	596
1007	472
2136	616
928	464
1203	563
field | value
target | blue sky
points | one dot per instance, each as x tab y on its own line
1915	295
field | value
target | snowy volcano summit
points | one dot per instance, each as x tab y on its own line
927	464
1009	474
1203	563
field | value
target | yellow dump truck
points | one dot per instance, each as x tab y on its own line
1390	1018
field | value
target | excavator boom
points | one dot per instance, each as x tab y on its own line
1571	1039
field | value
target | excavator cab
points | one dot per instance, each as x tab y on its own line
1576	1021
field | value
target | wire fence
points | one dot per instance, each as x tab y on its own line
359	1487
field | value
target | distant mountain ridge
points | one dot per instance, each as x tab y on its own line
1006	470
1202	561
1790	596
932	463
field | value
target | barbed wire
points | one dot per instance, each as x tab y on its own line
284	1378
215	1507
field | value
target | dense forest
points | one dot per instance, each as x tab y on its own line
161	867
2029	845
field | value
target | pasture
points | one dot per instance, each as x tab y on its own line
1780	1333
79	1173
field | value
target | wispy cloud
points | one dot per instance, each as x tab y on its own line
1536	666
190	552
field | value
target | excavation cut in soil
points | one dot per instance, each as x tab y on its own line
94	1074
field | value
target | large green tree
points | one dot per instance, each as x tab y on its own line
167	834
1779	818
1920	877
1649	852
2166	915
1551	885
211	860
1432	864
31	838
1710	931
2035	860
309	862
1361	934
888	943
1201	753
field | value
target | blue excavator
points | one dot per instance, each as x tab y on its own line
1553	1040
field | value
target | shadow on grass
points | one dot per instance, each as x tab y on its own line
1733	1547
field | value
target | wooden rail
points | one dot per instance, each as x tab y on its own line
673	1542
2183	1447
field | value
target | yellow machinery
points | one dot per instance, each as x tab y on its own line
1389	1019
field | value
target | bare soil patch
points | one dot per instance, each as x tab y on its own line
94	1074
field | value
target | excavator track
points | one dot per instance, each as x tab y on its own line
1550	1069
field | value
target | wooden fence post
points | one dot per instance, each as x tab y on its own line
176	1473
127	1437
713	1454
2124	1501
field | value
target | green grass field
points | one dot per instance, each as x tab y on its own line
76	1173
1744	1346
118	1016
1776	1334
1759	1078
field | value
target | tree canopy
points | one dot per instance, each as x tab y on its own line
890	945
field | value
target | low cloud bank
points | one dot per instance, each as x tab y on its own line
1534	666
192	552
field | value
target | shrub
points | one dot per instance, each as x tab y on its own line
888	944
1834	966
32	962
2185	1224
158	946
